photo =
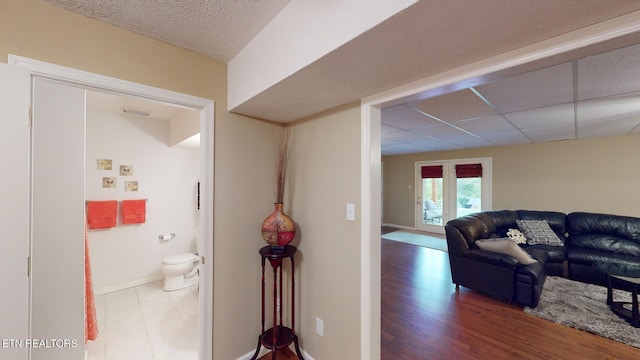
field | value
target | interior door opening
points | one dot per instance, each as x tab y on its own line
85	81
150	147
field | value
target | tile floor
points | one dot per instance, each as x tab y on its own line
146	323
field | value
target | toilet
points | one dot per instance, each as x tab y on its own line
180	271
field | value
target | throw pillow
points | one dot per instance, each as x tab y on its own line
517	236
539	232
508	247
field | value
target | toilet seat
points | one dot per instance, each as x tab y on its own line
180	259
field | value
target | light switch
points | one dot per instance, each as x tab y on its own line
351	212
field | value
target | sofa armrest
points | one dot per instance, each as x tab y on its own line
493	258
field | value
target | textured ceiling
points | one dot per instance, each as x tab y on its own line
219	29
594	96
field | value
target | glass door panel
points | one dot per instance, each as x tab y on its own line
432	201
468	196
431	196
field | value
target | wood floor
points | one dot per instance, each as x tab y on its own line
423	317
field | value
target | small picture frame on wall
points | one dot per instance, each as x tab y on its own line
104	164
130	186
109	182
126	170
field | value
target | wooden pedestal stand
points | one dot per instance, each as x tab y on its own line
279	336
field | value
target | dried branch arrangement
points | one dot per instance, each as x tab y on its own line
283	150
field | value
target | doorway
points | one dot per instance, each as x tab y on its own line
73	79
143	150
565	47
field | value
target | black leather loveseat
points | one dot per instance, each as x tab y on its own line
585	238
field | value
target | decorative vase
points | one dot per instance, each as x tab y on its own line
278	230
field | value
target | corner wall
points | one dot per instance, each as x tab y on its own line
593	175
324	177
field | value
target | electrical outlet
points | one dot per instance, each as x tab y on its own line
319	326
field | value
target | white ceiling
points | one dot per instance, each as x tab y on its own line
218	28
591	97
594	96
144	108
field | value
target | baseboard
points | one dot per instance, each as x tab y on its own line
400	226
264	351
127	285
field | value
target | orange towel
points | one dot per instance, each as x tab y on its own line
133	211
102	214
91	321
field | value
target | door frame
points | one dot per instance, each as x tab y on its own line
206	108
560	48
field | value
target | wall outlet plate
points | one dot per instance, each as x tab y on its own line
319	326
351	212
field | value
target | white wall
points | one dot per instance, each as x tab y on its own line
166	176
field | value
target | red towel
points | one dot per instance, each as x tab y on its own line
91	321
102	214
133	211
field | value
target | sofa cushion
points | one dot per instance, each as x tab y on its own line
590	223
539	232
584	256
608	243
502	220
474	226
508	247
555	254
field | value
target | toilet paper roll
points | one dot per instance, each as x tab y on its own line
166	237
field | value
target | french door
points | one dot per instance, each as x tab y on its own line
449	189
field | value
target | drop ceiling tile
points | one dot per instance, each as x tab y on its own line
388	129
406	136
608	128
394	150
552	115
426	147
551	133
397	149
536	89
456	106
510	137
387	141
609	108
468	141
440	132
485	125
612	73
404	117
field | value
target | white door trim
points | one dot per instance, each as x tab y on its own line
206	108
492	68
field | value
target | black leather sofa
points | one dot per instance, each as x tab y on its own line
587	238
